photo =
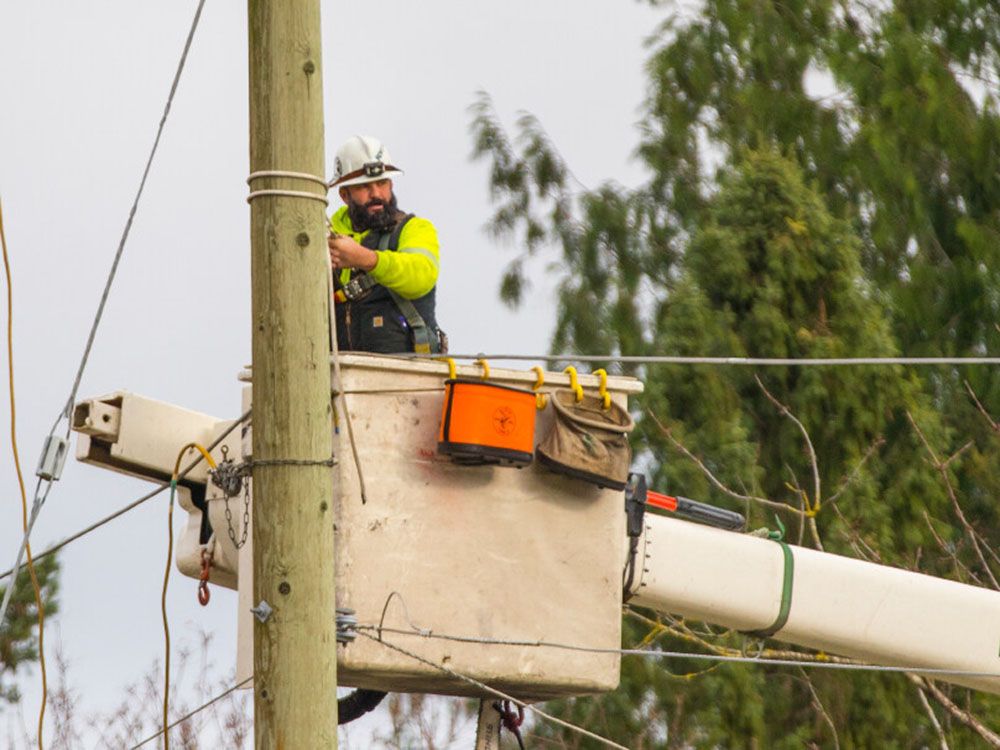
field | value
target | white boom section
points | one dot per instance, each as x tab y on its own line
873	612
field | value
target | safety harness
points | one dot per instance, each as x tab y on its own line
425	341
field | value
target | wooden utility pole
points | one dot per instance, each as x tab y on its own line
295	657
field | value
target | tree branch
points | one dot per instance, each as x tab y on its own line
713	479
942	468
818	705
960	714
933	717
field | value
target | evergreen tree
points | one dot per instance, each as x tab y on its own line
19	631
726	251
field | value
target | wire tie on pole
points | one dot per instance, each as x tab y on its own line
288	193
250	463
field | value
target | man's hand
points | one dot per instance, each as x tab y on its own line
346	253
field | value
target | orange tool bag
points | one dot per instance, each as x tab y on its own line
483	423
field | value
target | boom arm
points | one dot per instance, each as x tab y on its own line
845	606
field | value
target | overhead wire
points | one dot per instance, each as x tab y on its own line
734	361
68	408
44	484
493	691
195	712
818	664
135	503
39	603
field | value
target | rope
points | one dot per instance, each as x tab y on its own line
335	355
291	175
25	546
135	503
287	193
495	692
741	361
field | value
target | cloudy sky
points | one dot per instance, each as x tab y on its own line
82	88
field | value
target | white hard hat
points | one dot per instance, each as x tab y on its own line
361	159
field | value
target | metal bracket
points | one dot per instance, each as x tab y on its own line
346	623
262	611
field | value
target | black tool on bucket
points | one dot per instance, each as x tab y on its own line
683	507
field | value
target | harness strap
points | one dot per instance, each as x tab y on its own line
423	341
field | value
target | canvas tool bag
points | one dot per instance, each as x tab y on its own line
587	441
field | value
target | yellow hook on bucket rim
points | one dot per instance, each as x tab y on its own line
602	389
451	366
540	398
574	383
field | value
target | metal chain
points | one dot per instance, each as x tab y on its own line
228	477
330	462
231	478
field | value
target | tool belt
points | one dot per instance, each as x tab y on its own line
359	287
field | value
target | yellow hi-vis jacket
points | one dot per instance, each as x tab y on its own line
411	271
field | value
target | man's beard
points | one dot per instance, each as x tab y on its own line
380	221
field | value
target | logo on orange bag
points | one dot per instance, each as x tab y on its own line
504	421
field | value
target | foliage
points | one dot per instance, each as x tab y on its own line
18	633
227	722
782	222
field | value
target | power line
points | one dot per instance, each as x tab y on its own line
67	409
41	494
135	503
188	715
849	666
494	691
732	361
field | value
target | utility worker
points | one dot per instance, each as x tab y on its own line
385	261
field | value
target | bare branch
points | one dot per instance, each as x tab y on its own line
923	438
814	532
849	479
814	463
856	540
959	714
942	468
713	479
933	717
950	552
982	410
818	705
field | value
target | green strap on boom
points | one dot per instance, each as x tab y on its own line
786	596
423	342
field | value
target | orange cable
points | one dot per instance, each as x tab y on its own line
20	481
166	581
